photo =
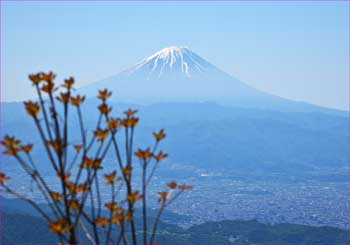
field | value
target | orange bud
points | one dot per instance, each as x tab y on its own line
10	141
76	101
3	178
130	112
55	196
111	205
82	187
128	216
48	77
101	221
104	94
133	197
64	97
32	108
96	164
68	83
78	147
56	226
110	177
66	176
160	156
49	87
73	204
172	185
27	148
163	195
101	134
160	135
143	154
35	78
113	123
12	145
127	171
104	109
87	162
59	226
55	144
130	122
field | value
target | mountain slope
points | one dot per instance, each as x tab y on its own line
172	74
179	74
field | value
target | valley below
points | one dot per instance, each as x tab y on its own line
318	198
279	198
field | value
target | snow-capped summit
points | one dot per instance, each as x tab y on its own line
179	74
174	60
172	73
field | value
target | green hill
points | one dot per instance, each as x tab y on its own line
26	229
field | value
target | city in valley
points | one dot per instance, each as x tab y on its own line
319	198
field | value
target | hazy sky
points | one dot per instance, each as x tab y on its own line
298	50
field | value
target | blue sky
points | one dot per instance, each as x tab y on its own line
298	50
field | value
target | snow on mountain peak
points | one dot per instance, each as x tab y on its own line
174	73
170	51
171	60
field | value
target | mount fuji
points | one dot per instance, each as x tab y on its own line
177	74
245	130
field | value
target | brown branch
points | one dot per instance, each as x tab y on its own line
86	232
42	136
33	174
47	123
155	225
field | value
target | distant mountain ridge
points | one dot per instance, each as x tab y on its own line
222	136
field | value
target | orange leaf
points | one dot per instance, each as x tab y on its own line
130	112
110	177
113	123
160	135
111	205
160	156
73	204
3	178
143	154
78	147
104	109
163	195
76	101
101	134
104	94
32	108
101	221
55	196
27	148
68	83
172	185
